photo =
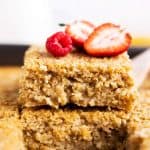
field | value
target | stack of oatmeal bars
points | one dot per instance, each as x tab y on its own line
72	125
77	101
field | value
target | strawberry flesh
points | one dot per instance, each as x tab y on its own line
107	40
79	31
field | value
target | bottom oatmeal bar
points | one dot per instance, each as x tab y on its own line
87	129
74	129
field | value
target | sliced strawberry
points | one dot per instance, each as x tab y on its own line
79	31
107	40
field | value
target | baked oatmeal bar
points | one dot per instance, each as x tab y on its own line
76	78
139	125
9	85
74	129
139	128
11	135
87	129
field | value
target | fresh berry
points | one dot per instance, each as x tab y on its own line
107	40
59	44
79	31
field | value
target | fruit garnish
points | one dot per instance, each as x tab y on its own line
59	44
79	31
107	40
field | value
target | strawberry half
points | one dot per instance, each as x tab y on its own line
107	40
79	31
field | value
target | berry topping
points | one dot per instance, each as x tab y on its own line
107	40
59	44
79	31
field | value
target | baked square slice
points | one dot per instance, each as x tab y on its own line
139	128
139	125
74	129
11	135
76	78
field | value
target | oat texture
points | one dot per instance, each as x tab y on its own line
76	78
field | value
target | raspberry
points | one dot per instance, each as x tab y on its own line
59	44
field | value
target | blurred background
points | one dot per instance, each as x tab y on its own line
25	22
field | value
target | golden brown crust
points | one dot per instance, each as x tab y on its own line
37	59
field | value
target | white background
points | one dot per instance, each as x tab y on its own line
31	21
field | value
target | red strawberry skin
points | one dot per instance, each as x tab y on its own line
79	31
107	40
59	44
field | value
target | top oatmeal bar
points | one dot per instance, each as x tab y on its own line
76	78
